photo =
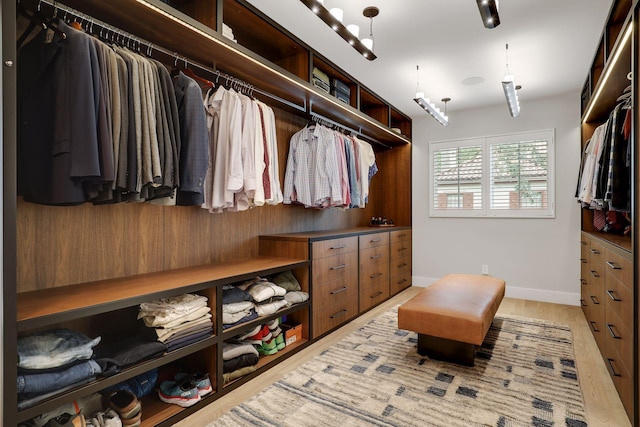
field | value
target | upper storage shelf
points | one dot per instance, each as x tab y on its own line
275	62
612	62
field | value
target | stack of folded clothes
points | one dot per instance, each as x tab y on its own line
178	321
237	306
341	91
53	361
239	359
288	282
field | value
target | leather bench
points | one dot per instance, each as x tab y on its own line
452	316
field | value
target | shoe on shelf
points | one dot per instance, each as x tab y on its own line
125	403
181	393
268	348
67	420
280	345
199	379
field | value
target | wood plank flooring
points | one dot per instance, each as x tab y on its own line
603	405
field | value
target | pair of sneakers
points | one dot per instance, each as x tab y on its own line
275	342
128	407
186	390
67	420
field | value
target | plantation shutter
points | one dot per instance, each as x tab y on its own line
457	176
519	175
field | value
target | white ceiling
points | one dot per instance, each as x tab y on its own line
551	46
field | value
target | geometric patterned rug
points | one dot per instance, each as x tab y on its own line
524	375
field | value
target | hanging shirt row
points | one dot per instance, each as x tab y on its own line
326	168
100	123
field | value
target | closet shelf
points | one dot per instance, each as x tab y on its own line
195	41
44	307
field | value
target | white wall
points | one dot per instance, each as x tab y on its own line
538	258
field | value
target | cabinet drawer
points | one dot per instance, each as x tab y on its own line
373	240
622	379
334	267
332	316
327	248
596	253
373	293
619	267
400	236
595	319
334	292
399	282
619	300
618	336
400	249
400	266
375	259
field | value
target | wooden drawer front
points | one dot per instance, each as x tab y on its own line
327	248
619	267
400	266
400	236
596	253
622	379
618	336
373	240
399	282
335	267
374	292
374	260
331	316
619	300
331	294
400	249
596	321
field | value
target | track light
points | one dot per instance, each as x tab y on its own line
334	18
489	12
429	106
509	87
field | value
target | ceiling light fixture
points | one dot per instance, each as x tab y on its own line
430	107
489	13
509	87
334	18
370	12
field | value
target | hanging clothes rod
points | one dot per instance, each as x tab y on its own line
318	118
133	42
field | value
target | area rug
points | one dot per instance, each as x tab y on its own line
525	375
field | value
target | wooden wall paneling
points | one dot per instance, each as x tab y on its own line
390	190
59	246
204	11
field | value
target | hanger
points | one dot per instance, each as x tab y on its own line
37	19
177	68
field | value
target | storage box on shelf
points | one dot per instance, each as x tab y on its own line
341	86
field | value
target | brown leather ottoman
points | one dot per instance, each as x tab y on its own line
452	316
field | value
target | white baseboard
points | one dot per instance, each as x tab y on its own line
542	295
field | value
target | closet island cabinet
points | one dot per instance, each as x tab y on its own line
608	255
89	266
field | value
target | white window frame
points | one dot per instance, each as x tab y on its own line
485	210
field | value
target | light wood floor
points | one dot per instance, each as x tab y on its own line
603	405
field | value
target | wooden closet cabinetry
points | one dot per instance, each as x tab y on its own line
400	261
374	269
350	269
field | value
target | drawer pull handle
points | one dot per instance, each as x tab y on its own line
404	264
376	295
373	276
583	243
594	251
402	249
402	281
584	282
337	291
401	235
338	267
613	265
594	328
340	313
583	260
338	247
594	273
594	299
582	303
612	295
375	256
612	369
612	332
374	240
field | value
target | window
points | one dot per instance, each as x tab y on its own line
497	176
